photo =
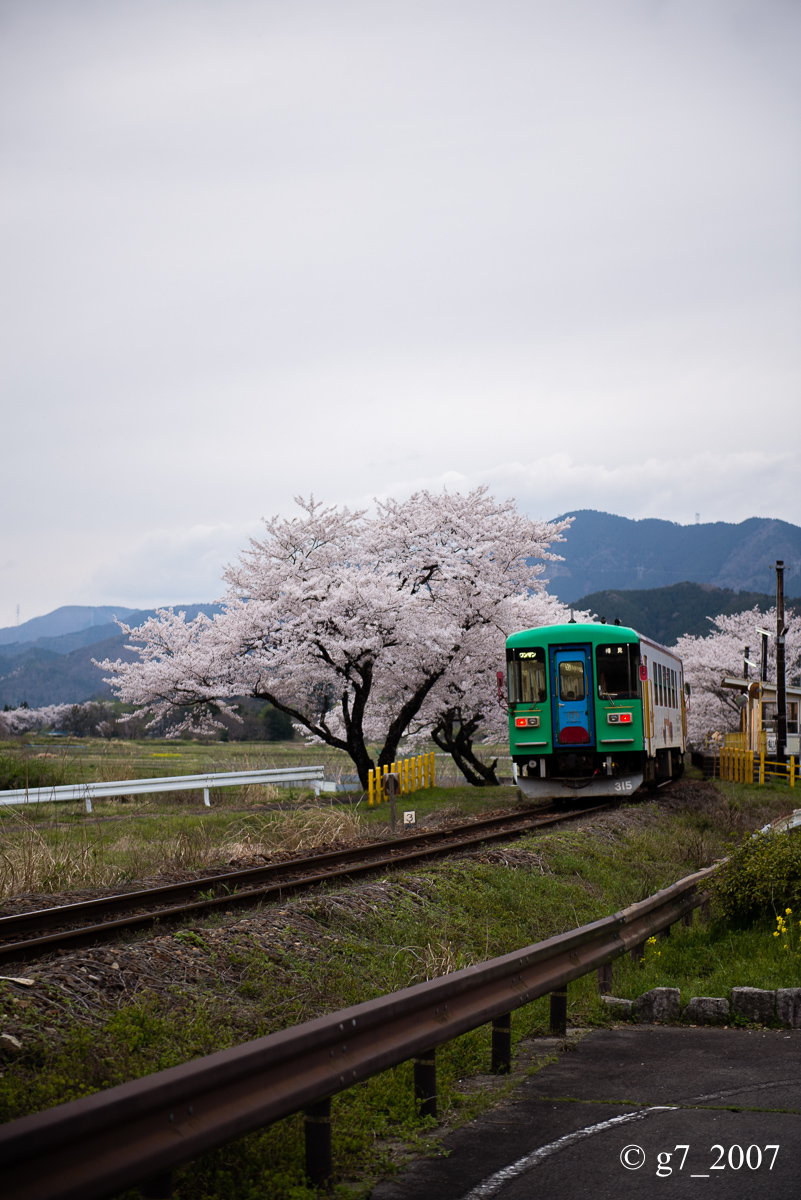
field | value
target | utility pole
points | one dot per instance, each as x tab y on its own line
781	693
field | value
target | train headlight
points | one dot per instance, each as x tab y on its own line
527	722
619	718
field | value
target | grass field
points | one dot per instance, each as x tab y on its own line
342	945
42	761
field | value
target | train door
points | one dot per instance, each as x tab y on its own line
572	695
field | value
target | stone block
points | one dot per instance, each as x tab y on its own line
660	1004
753	1004
619	1007
707	1010
788	1007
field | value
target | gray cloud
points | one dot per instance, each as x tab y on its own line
256	249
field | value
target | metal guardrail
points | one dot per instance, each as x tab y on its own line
87	792
102	1144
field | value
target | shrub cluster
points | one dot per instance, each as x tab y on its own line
762	876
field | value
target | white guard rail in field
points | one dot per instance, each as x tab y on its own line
87	792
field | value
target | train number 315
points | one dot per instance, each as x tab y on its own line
623	785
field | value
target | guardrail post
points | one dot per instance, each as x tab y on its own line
664	933
425	1083
687	918
158	1187
638	952
317	1127
206	799
559	1010
605	978
502	1045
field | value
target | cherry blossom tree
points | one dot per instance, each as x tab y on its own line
89	719
707	660
465	704
343	620
17	721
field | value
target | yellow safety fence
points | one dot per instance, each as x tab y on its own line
739	766
412	774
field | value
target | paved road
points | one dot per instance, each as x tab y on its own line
641	1095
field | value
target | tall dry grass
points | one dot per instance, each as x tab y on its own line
53	860
34	860
299	829
31	862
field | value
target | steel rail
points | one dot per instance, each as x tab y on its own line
95	1147
346	863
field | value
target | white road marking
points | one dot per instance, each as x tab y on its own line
493	1183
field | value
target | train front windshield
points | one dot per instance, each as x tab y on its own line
526	677
617	670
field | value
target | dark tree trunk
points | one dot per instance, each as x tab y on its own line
455	737
353	702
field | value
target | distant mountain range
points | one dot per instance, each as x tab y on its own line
661	578
70	618
57	668
602	551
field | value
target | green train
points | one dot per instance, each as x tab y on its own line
594	710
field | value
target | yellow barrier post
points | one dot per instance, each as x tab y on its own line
792	771
762	766
433	770
370	787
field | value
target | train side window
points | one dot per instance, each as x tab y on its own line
660	685
571	681
674	701
617	669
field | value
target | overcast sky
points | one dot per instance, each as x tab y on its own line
258	249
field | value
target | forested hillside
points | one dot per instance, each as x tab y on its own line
602	551
666	613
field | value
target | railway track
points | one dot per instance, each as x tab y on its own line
70	926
